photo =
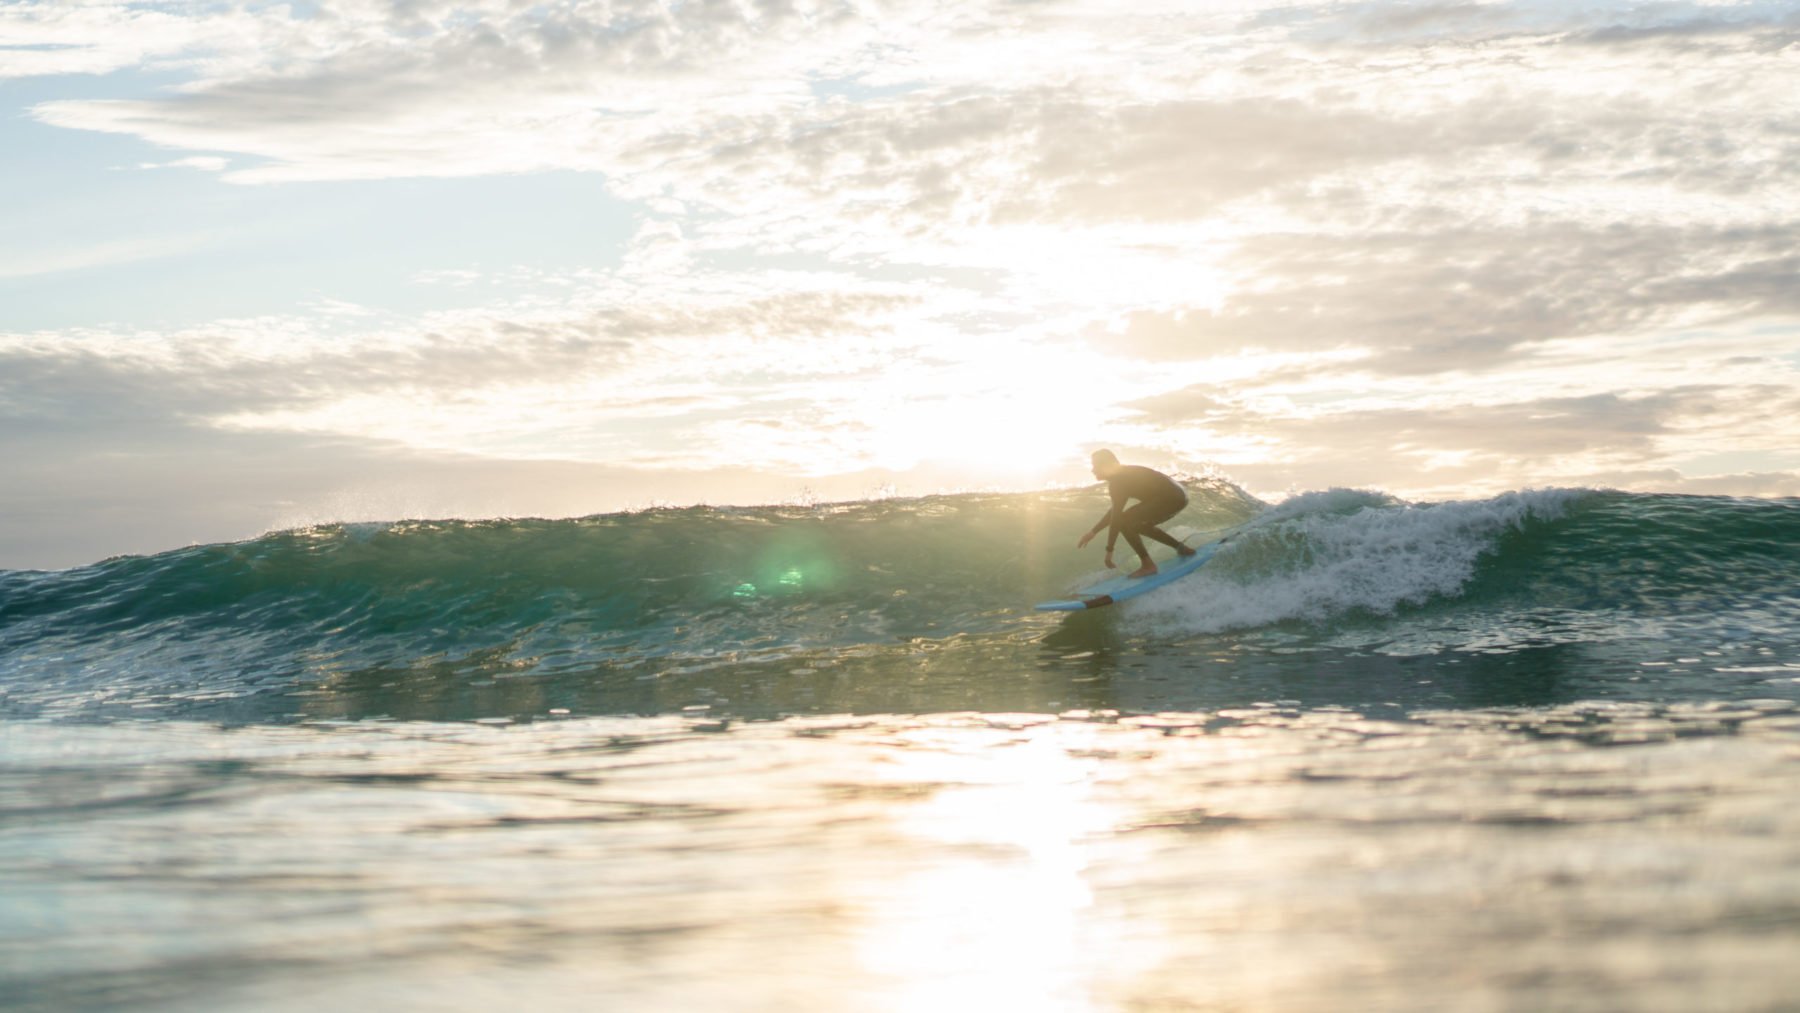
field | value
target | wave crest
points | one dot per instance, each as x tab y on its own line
1324	554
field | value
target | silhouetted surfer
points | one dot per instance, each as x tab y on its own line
1161	498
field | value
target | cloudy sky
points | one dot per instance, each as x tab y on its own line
263	264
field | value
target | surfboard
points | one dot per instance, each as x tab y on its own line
1121	588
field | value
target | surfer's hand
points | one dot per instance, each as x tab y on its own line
1109	563
1084	540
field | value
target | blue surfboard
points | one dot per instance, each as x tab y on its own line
1121	588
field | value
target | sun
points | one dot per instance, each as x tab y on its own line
1010	413
1008	410
1005	432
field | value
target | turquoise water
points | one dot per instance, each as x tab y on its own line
1533	751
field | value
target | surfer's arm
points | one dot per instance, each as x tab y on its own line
1113	517
1110	521
1105	519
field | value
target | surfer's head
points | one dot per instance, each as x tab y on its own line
1105	463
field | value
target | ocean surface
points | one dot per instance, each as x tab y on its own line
1534	752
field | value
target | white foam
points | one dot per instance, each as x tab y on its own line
1323	554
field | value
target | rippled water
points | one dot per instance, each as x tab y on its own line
1598	856
1529	753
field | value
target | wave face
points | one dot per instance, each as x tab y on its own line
912	605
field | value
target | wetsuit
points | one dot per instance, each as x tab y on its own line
1161	499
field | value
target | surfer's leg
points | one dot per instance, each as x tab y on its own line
1146	517
1167	539
1132	526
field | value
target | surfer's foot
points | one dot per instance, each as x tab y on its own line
1143	571
1185	550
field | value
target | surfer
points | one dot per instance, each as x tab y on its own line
1160	498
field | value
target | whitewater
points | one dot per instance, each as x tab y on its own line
1537	750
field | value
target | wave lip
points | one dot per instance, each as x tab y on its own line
1325	554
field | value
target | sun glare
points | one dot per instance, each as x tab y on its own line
1009	410
1005	437
995	913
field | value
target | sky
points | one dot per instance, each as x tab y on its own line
271	264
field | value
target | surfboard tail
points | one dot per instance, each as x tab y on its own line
1076	604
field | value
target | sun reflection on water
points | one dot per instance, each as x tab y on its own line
991	909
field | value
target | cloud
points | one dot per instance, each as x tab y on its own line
1536	428
1754	483
113	251
81	37
1442	444
205	163
572	380
1438	247
1460	298
368	90
1002	138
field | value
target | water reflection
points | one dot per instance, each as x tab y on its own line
1594	856
991	912
1091	664
1106	659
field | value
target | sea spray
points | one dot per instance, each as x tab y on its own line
1322	555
